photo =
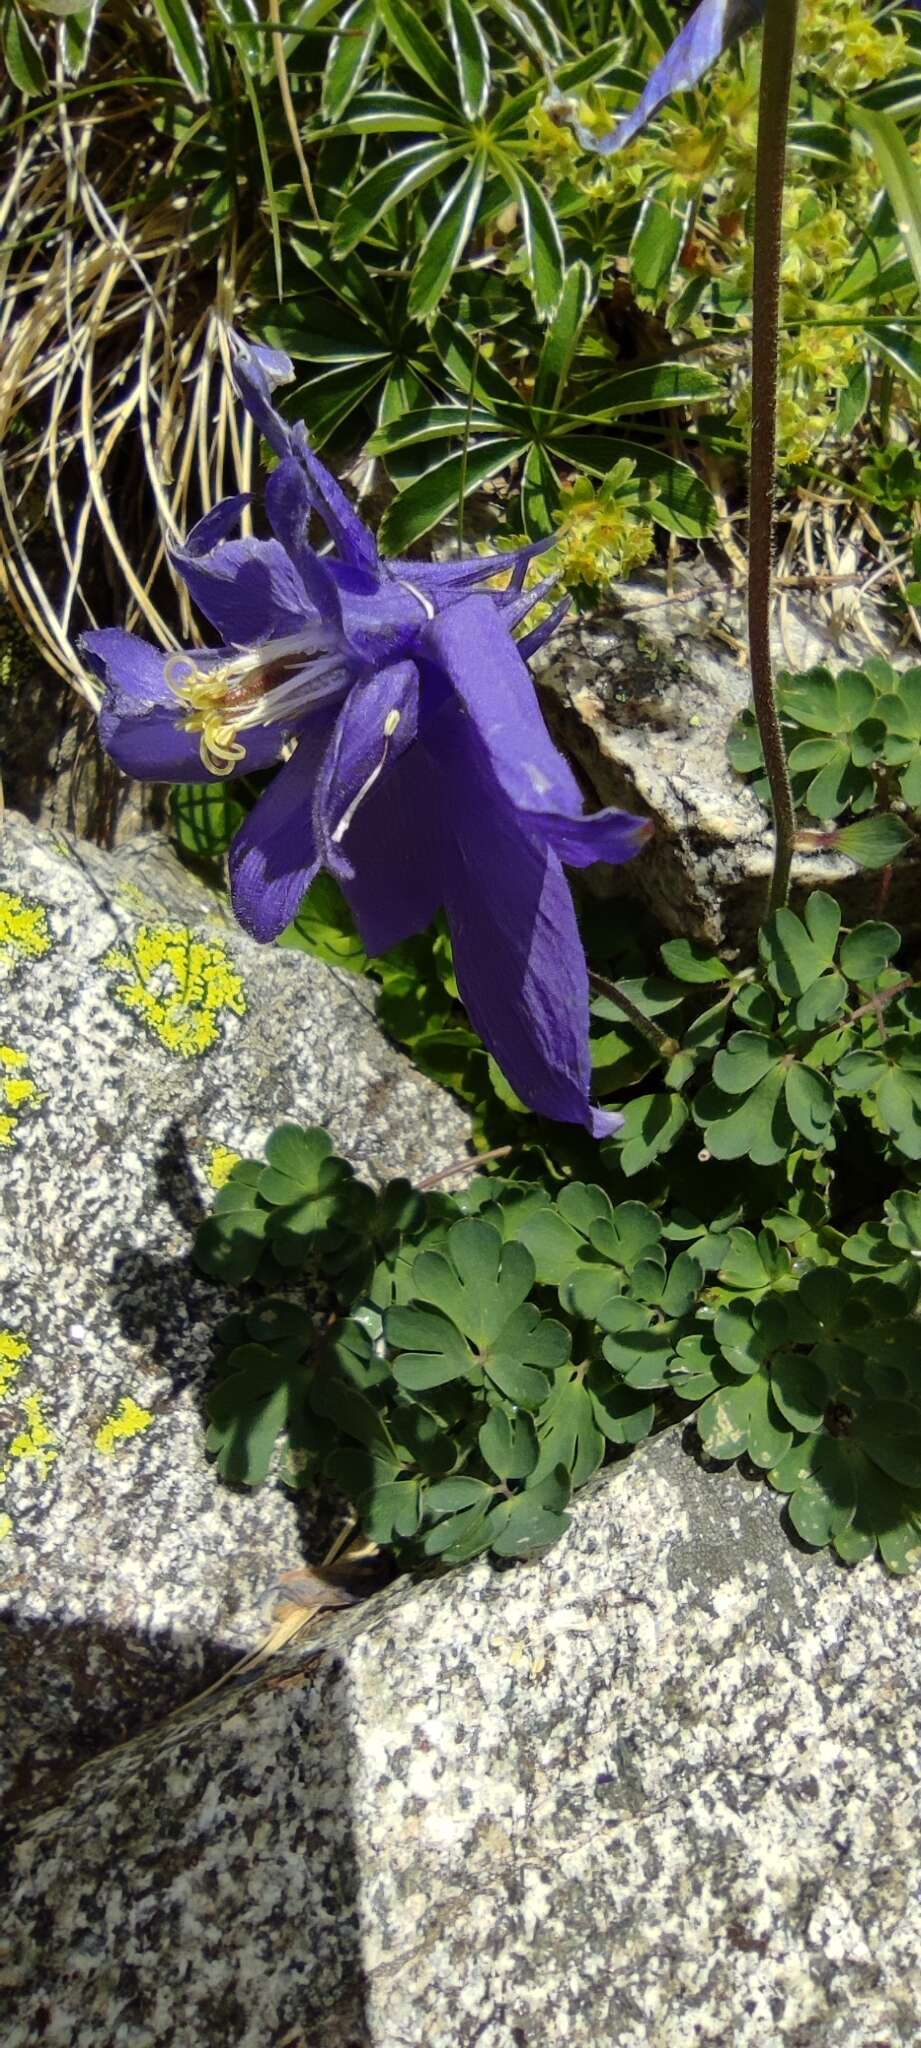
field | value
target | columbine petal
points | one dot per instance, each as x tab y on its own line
712	27
438	578
288	504
517	952
215	525
471	645
350	535
140	723
516	604
531	643
274	856
375	726
395	847
153	748
613	836
256	371
131	667
247	589
490	678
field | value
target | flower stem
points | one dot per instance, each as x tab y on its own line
664	1045
777	55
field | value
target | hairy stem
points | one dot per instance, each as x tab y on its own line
779	44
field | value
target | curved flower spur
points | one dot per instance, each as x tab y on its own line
709	31
416	766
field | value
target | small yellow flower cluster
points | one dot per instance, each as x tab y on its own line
601	535
851	51
817	237
813	371
181	986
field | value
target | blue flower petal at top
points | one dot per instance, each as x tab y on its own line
414	763
712	27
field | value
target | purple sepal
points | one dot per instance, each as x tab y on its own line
377	723
712	27
274	857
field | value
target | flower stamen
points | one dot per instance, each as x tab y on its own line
391	722
270	685
419	595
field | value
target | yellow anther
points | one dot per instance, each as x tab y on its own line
203	693
268	685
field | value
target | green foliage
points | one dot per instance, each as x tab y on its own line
853	743
582	1299
461	1365
204	818
485	304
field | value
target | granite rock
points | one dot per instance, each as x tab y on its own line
643	694
659	1789
145	1040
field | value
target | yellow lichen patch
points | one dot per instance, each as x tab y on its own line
6	1527
37	1440
181	986
18	1092
127	1422
13	1349
24	933
221	1165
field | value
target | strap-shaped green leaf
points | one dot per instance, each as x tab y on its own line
418	47
382	112
561	339
434	495
429	423
653	387
180	26
658	239
349	56
900	176
446	240
402	173
471	56
541	234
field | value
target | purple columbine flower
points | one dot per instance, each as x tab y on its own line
417	768
712	27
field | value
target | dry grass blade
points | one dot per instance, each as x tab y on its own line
114	411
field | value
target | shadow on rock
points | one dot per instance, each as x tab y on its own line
169	1309
163	1301
198	1884
71	1689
